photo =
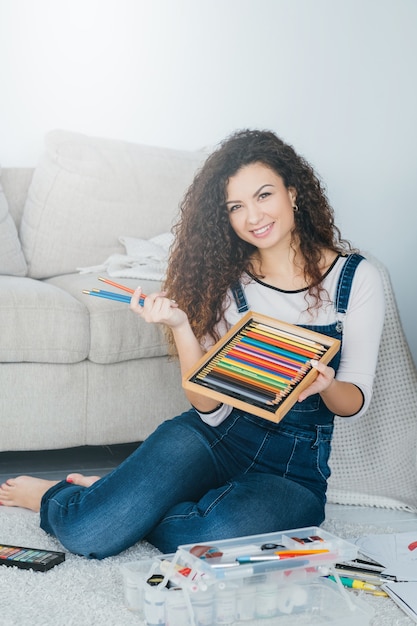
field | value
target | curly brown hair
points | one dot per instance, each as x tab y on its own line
207	257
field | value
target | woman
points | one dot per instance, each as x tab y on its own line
255	231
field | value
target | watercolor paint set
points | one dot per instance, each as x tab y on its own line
261	365
274	579
30	558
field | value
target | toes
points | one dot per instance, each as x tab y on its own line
6	488
77	479
81	480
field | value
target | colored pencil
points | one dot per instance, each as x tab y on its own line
241	390
261	372
243	383
294	358
242	373
261	364
110	295
292	336
291	346
123	287
274	358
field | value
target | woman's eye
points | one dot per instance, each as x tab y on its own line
234	207
264	195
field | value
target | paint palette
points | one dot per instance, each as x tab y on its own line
261	365
30	558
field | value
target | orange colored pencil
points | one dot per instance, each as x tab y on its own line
123	287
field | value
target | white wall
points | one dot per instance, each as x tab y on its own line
337	78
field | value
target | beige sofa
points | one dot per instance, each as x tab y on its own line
78	370
74	369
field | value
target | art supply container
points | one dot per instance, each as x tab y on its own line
275	579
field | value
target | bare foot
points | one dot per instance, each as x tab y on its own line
25	491
81	480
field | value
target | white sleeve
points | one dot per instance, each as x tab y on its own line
216	417
362	328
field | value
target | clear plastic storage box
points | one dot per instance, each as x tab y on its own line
275	579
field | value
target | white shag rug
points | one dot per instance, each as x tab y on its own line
81	592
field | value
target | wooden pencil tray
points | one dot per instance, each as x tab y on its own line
246	384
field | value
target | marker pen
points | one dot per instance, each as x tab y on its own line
246	570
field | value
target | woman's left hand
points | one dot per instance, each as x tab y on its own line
323	381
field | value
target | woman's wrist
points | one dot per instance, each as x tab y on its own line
342	398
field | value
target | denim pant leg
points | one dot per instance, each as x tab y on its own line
174	464
281	484
190	482
250	504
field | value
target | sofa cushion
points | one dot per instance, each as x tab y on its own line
86	192
116	333
12	261
41	323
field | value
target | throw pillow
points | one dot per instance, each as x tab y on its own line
12	261
87	192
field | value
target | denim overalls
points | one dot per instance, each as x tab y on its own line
192	482
313	411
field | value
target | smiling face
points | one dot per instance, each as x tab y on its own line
260	207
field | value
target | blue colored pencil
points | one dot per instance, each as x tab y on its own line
110	295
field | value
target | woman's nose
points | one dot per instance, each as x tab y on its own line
254	214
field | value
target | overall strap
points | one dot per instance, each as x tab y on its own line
240	298
344	286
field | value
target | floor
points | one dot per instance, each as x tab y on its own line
99	460
398	521
56	464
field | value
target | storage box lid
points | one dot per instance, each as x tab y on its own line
311	549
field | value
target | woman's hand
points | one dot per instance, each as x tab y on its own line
341	398
323	381
157	309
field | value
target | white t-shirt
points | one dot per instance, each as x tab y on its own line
362	324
